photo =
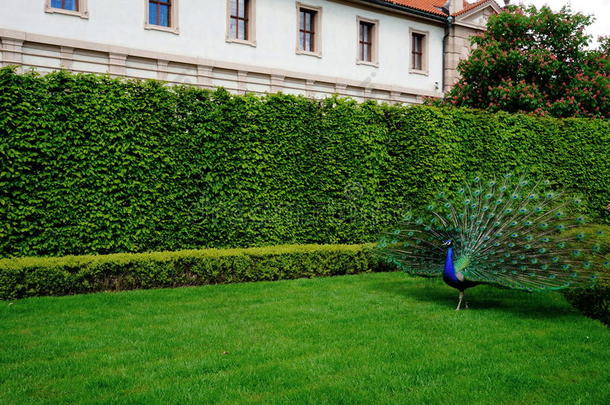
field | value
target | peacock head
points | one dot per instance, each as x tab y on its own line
448	243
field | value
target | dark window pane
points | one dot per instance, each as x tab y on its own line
242	8
70	5
164	15
417	40
152	13
233	28
241	26
365	32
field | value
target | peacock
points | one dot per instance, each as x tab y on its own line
510	232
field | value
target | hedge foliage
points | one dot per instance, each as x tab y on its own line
93	165
34	276
595	302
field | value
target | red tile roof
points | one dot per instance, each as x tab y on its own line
434	6
431	6
470	6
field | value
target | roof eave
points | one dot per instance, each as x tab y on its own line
405	10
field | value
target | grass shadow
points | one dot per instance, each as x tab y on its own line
520	303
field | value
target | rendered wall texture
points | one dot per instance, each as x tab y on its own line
113	39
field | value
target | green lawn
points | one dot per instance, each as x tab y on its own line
375	338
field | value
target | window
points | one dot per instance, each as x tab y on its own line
418	52
159	12
70	7
241	27
367	41
161	15
308	30
419	57
239	19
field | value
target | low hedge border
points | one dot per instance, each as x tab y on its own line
38	276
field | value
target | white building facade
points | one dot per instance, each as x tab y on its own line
391	51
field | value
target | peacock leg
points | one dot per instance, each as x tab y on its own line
460	300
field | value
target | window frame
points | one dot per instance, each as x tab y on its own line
424	59
251	25
374	41
82	9
173	18
317	31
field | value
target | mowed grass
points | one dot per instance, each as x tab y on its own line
365	339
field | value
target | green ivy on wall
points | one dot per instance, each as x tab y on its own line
90	164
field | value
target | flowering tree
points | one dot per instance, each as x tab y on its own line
537	61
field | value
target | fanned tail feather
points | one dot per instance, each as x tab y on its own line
415	247
512	232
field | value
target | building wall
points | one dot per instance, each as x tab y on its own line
112	39
458	45
458	48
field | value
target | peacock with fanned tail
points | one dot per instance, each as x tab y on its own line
510	232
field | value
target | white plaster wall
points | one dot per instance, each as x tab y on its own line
202	26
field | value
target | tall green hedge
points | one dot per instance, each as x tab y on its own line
90	164
594	302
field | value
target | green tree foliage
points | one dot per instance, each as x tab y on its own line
536	61
91	164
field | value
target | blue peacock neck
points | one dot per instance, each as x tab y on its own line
449	272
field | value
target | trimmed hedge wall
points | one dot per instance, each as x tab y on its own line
90	164
33	276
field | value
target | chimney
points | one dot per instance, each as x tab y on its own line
455	6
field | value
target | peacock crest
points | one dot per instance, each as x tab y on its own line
510	232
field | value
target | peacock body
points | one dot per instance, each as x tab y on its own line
510	232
